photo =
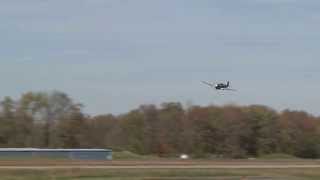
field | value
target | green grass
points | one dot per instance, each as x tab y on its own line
160	174
127	155
124	174
278	156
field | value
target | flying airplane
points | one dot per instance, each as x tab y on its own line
219	86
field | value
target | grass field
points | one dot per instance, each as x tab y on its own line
76	172
162	174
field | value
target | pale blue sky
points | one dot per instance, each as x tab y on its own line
113	55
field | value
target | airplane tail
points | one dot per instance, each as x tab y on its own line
228	83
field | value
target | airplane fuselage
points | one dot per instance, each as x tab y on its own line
221	86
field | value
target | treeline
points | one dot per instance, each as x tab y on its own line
54	120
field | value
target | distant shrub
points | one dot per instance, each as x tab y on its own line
277	156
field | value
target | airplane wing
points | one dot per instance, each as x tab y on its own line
229	89
209	84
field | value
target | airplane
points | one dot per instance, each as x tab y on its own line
219	86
